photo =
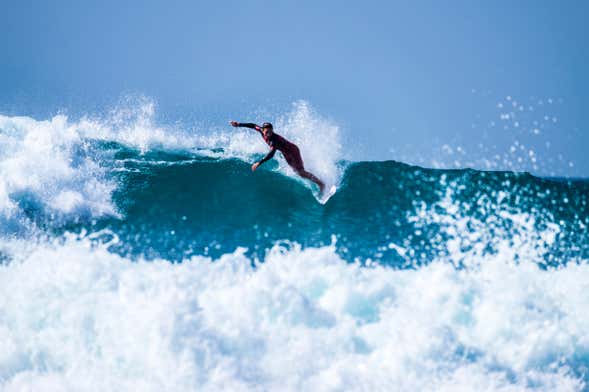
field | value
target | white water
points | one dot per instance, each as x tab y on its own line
47	165
76	317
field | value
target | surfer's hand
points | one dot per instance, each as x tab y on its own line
255	166
234	123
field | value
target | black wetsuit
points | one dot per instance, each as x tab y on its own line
289	150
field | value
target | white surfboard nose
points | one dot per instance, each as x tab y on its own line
327	195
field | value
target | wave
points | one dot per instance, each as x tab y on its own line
134	256
165	195
177	205
60	168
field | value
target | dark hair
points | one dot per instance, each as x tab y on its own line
267	125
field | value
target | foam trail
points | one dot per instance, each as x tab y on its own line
76	317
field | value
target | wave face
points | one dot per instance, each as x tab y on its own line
140	257
176	206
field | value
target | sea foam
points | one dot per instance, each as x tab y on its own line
75	317
48	166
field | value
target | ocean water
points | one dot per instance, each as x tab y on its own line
136	256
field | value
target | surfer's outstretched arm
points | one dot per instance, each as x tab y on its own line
268	156
246	125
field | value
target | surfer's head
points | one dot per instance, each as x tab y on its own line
267	128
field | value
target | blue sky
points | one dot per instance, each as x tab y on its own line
416	81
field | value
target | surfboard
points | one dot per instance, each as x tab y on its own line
327	195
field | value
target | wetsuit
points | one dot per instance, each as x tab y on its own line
289	150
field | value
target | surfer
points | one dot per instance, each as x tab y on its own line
289	151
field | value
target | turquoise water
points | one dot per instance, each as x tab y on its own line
176	206
135	257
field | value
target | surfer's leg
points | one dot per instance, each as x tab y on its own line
293	158
310	176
